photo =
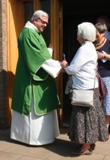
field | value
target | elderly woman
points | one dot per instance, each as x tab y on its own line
102	45
87	124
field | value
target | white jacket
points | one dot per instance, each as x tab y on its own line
83	67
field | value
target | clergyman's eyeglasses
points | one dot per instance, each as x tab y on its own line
43	22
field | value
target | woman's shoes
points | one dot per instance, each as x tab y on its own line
92	146
109	131
79	153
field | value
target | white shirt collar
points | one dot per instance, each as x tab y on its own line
30	25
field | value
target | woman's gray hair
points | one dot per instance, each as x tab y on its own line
87	31
101	27
38	14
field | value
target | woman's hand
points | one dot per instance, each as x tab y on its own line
100	55
103	55
64	63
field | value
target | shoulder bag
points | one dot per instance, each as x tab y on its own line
101	88
83	97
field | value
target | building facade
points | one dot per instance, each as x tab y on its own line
4	107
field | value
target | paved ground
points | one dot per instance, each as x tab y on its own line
59	150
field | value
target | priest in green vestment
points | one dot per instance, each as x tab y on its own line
34	84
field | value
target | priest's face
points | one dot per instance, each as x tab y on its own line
41	23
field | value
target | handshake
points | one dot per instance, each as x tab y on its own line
64	64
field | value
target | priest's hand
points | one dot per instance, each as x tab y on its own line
62	70
51	46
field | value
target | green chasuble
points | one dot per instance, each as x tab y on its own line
31	81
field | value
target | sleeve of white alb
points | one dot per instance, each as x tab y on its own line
52	67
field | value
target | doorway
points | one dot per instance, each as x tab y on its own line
72	16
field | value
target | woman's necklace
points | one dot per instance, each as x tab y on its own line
98	44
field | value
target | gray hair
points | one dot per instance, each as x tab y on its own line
38	14
87	31
101	27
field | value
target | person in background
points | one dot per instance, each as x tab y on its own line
102	45
87	124
105	20
35	100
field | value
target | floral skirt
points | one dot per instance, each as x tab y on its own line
106	99
87	124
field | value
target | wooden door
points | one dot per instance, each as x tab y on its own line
18	12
